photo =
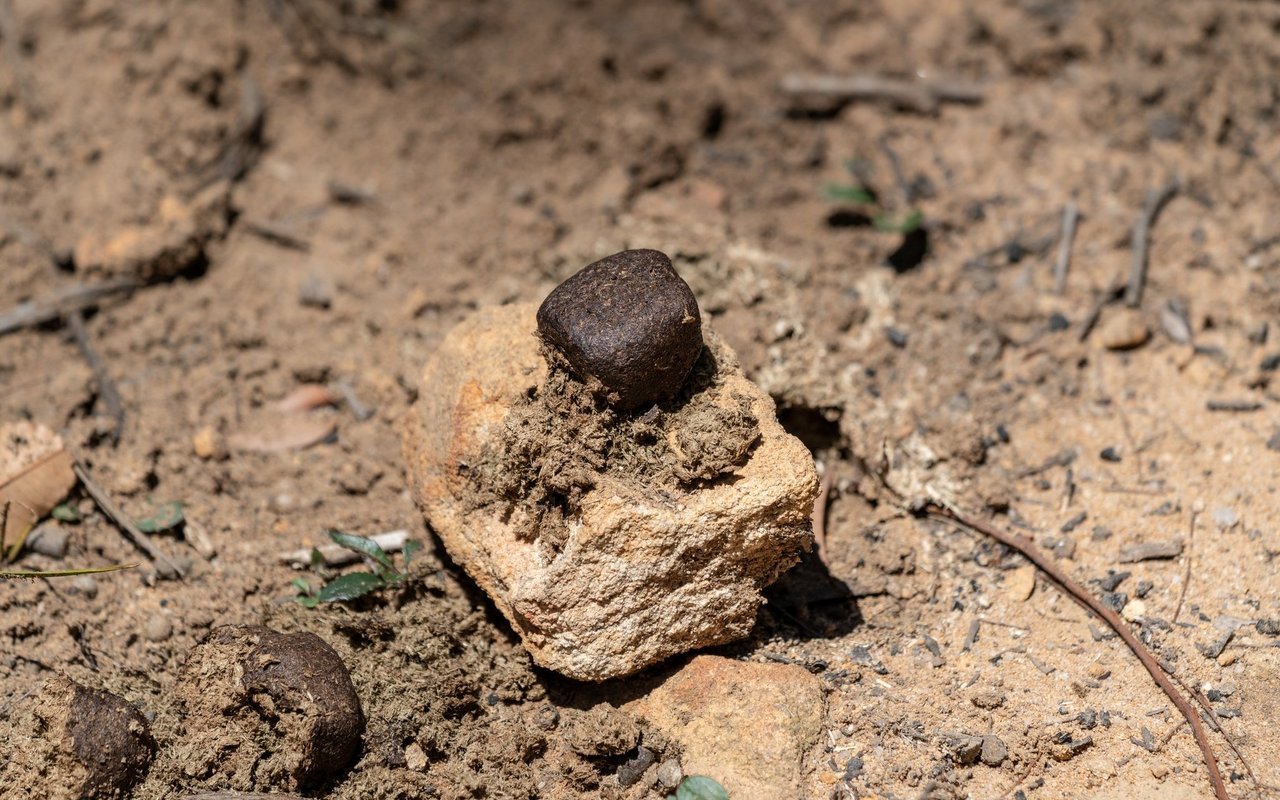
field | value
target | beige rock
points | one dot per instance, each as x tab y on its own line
750	726
645	572
1020	583
1124	330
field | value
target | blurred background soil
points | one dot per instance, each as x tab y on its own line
314	192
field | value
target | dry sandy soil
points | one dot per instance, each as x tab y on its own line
417	160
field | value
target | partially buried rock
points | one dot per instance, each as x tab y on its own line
266	710
71	742
628	322
609	540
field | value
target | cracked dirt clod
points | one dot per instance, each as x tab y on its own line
265	709
610	543
628	322
82	744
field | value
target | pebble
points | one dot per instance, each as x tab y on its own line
86	585
1020	583
994	751
1268	627
1225	517
628	321
1228	657
633	769
1099	672
1111	454
1147	551
988	698
1124	331
415	758
158	628
205	442
670	774
49	539
315	291
1134	610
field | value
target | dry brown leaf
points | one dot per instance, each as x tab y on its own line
305	398
279	433
35	474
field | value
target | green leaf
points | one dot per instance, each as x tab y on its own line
308	601
362	544
349	587
700	787
166	517
849	194
65	512
301	585
909	223
317	559
410	547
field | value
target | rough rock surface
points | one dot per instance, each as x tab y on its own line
748	725
76	743
635	565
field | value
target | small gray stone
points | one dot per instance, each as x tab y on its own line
1225	517
1147	551
965	749
158	628
994	751
670	774
633	769
316	291
628	321
86	585
49	539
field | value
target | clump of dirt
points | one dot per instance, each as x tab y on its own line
76	743
262	709
558	442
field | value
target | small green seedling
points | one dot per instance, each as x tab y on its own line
166	517
700	787
858	195
355	584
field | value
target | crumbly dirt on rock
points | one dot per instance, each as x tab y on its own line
559	441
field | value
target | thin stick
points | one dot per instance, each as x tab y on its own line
1186	575
106	386
922	96
1078	593
336	555
1155	201
1070	216
820	514
113	512
58	304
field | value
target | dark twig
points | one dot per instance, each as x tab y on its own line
1155	201
165	566
106	386
278	233
64	301
243	145
1105	299
1082	596
1070	216
922	96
